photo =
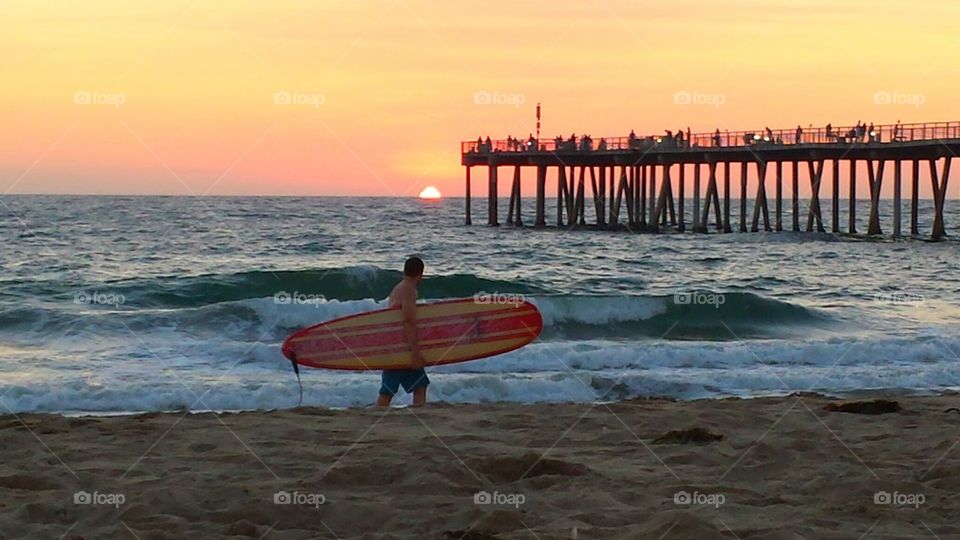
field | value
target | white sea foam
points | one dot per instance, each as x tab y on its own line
598	310
295	315
230	375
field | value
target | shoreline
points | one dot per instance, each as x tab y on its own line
766	467
856	394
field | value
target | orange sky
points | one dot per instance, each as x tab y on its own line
373	97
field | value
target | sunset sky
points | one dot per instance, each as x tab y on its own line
374	97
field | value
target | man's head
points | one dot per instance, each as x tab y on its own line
413	268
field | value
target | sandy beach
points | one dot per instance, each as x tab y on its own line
773	468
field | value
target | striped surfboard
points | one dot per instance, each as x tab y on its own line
449	331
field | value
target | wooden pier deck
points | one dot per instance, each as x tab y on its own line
623	174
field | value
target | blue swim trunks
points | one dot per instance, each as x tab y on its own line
410	379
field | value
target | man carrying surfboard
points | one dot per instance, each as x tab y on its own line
413	379
396	339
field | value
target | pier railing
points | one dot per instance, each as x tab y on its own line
827	135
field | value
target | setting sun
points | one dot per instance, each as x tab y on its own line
430	192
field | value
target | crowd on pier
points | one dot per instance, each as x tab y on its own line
861	133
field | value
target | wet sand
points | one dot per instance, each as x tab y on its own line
774	468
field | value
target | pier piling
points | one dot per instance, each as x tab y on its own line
681	197
814	213
939	195
779	210
492	198
914	199
541	221
467	219
796	196
897	169
760	201
852	225
743	196
876	183
726	197
835	191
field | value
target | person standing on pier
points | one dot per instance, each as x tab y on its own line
716	138
798	136
413	379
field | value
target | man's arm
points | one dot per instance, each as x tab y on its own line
409	310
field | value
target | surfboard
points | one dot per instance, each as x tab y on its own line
449	331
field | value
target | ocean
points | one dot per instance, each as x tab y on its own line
127	304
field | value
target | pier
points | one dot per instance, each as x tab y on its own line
639	183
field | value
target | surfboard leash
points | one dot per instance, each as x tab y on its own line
296	369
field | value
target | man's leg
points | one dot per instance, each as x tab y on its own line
417	383
389	384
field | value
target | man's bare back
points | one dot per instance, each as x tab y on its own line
403	293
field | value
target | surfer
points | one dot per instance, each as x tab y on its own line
413	379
